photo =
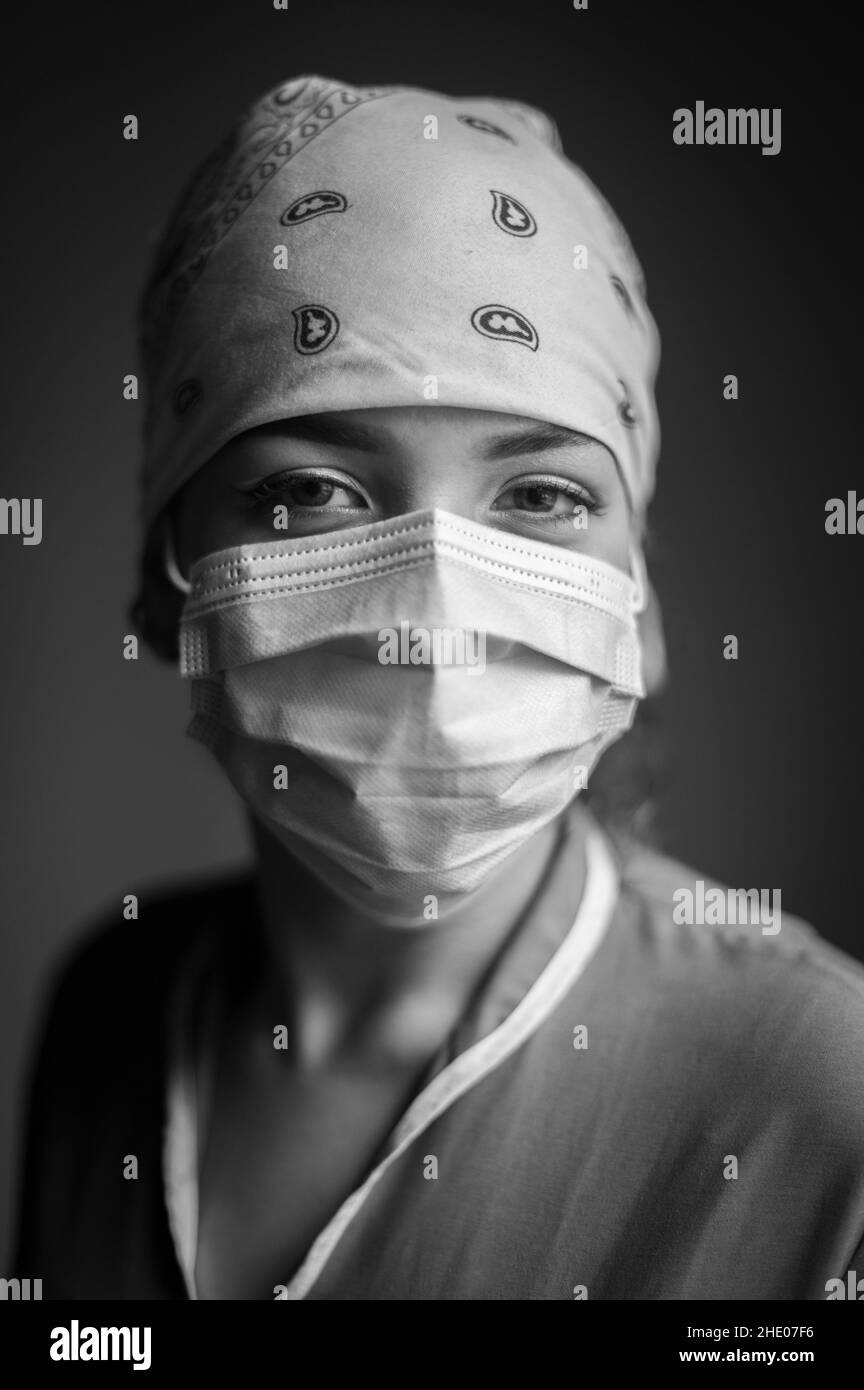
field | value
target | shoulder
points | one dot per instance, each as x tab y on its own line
758	989
118	973
683	910
94	1083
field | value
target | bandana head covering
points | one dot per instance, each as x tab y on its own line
350	247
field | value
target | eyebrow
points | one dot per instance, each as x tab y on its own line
367	439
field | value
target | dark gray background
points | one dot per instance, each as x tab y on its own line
752	265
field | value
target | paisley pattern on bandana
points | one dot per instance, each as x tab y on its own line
498	321
340	248
315	327
486	127
313	205
510	215
623	294
227	183
187	395
625	408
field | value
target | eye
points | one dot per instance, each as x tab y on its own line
546	498
307	490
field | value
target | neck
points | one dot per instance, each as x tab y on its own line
349	985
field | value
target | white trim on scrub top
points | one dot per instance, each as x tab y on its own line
180	1140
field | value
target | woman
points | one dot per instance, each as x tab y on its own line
451	1039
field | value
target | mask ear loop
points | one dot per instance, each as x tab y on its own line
172	569
640	578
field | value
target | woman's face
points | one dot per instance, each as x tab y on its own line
347	468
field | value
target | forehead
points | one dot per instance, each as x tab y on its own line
495	434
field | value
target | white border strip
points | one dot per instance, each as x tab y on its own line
560	973
180	1145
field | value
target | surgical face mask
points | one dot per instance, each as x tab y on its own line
403	704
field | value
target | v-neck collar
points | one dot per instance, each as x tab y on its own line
539	963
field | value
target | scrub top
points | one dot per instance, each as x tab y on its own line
629	1108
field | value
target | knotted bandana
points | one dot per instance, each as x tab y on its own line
349	247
